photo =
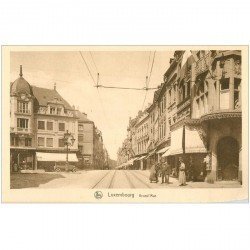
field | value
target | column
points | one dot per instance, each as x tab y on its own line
212	174
217	90
211	95
240	166
231	92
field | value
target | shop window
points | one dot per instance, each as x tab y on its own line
61	126
22	123
40	141
27	142
41	125
61	143
49	142
49	125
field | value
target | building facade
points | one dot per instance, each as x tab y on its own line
85	140
45	129
197	112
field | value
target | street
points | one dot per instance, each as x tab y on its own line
98	179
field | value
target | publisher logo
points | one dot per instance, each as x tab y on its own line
98	194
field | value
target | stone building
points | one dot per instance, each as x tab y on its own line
197	115
39	119
85	140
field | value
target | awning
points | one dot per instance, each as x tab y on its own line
167	153
163	150
188	139
56	157
193	141
151	153
176	141
141	158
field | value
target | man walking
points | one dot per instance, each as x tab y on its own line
165	171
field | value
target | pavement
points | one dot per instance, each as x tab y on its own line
115	179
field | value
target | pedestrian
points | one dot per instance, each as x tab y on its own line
168	170
182	175
157	169
163	171
152	176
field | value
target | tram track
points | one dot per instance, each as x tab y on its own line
139	179
111	184
128	179
100	180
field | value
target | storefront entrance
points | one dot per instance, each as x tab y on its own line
228	159
22	159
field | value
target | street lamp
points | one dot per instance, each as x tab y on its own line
68	141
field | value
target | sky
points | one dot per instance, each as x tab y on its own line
110	109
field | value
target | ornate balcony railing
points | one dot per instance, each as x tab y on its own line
182	105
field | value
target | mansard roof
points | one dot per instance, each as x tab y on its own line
44	96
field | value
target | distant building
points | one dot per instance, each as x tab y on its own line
85	140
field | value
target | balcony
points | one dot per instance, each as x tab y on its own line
202	65
183	104
23	112
20	130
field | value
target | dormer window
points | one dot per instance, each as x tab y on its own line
52	110
59	111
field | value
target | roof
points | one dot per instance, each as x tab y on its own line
43	96
83	118
20	85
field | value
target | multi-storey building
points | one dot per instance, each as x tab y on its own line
85	140
98	157
22	129
39	119
199	115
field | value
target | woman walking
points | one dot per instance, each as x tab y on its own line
182	175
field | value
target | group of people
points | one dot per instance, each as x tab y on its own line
164	169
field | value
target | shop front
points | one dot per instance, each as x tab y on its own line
22	159
47	161
187	143
225	145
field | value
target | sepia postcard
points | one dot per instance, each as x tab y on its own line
114	124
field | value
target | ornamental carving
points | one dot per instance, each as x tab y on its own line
237	67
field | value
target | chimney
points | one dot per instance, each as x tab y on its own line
85	115
73	106
21	71
54	86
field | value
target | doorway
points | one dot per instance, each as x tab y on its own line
228	158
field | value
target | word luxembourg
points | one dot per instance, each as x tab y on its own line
122	195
